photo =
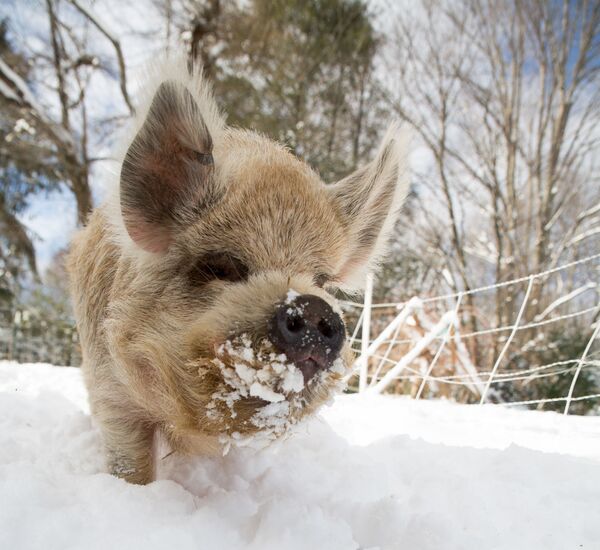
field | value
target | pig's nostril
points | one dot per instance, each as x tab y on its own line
308	331
294	324
325	328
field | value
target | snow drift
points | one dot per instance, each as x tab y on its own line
372	472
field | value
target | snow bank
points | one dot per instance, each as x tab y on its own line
372	473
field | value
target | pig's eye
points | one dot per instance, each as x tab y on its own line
321	279
218	266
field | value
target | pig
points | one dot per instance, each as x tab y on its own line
203	285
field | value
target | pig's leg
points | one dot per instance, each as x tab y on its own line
129	449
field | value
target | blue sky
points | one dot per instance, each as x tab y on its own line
51	221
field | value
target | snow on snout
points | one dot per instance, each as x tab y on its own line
291	296
262	373
274	378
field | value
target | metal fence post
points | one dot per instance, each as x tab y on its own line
366	334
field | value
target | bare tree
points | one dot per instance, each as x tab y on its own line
504	97
68	64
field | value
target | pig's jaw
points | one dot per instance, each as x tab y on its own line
261	395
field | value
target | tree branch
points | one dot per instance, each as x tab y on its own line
93	18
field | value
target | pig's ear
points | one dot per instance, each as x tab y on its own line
370	200
167	174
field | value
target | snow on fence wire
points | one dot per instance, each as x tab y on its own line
402	349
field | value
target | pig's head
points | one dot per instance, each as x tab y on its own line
236	245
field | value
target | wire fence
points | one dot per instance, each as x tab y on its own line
437	347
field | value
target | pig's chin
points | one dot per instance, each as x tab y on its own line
309	368
252	391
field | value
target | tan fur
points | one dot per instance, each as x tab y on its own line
148	336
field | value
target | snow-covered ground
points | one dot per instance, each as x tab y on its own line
372	472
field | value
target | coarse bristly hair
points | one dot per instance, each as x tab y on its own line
175	279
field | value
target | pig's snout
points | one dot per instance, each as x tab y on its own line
309	332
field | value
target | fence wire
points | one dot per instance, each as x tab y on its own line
401	349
